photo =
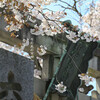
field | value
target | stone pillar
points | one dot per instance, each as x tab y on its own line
47	67
97	54
56	62
39	87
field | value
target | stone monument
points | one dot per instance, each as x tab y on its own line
16	77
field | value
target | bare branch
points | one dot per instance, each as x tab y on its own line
66	3
71	7
64	7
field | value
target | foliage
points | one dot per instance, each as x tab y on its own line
33	15
18	13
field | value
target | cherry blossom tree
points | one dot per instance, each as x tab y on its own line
17	13
26	13
87	15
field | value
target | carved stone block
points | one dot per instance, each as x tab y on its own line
16	77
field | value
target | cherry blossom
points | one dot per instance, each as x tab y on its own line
37	73
14	49
26	43
40	61
41	50
23	11
86	78
18	13
81	89
92	23
60	87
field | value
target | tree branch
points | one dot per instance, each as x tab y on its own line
70	7
66	3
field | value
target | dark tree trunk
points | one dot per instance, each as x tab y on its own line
74	62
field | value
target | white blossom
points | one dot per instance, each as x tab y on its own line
92	21
1	4
72	36
86	78
50	20
26	43
37	73
37	30
41	50
81	89
60	87
14	49
40	61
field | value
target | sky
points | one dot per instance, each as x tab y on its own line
94	84
70	14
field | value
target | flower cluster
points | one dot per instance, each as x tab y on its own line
86	78
81	89
50	23
74	33
37	73
17	13
14	49
24	44
92	21
41	50
74	37
40	61
60	87
38	67
20	13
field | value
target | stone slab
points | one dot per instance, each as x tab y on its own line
16	77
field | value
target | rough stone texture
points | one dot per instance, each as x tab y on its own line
84	97
16	77
98	85
93	63
55	65
2	23
47	70
39	87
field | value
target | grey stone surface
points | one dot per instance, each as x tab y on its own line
84	97
3	24
93	63
39	87
16	76
56	63
98	85
46	66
